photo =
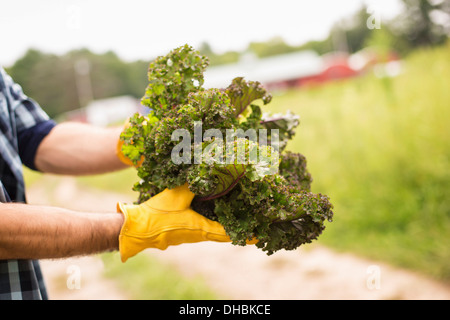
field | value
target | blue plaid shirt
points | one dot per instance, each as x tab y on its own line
23	125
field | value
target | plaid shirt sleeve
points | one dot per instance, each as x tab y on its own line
21	130
26	111
20	116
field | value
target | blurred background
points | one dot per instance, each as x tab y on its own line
370	81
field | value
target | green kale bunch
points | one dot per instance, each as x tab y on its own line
231	155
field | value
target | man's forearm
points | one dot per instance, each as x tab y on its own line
79	149
40	232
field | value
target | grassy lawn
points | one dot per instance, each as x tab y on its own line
380	149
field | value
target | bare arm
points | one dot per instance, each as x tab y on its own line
40	232
79	149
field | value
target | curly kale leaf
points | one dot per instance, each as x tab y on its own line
293	169
224	164
242	93
172	77
134	137
284	123
278	219
224	177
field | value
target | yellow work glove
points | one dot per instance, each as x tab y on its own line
124	159
120	154
164	220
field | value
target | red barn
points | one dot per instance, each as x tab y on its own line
283	71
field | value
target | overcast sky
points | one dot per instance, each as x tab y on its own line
141	29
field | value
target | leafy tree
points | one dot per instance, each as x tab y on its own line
272	47
216	58
424	22
48	79
55	83
385	40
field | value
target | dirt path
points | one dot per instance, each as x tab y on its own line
311	273
314	272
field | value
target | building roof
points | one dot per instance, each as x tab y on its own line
266	70
105	111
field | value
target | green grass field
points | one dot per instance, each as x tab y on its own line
380	149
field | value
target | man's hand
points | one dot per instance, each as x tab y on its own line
164	220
